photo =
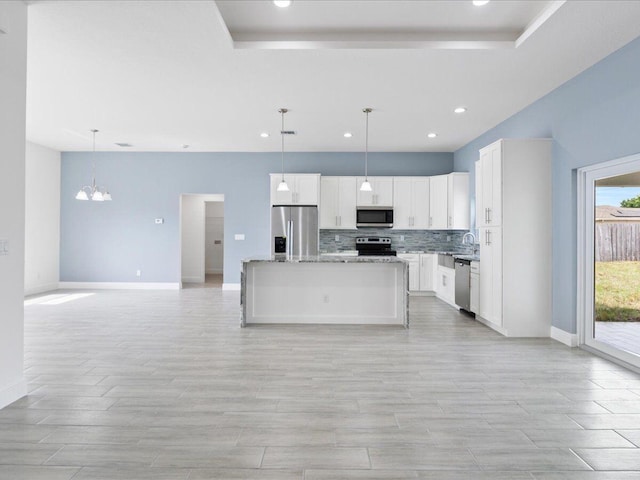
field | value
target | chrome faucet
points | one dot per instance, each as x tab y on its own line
473	241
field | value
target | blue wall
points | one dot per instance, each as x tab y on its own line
592	118
109	241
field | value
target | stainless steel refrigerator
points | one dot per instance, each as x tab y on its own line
294	230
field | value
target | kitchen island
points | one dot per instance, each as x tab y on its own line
325	289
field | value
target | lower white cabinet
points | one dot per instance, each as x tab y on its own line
428	262
421	271
474	290
446	284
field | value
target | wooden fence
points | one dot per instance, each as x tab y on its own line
617	242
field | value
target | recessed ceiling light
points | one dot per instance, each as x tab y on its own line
348	135
282	3
432	135
264	134
460	110
479	3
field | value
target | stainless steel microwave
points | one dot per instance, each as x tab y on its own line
373	217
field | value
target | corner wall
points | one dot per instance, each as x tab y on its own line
592	118
13	84
42	219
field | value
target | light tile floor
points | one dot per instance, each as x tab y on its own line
165	385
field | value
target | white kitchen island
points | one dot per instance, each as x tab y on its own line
325	289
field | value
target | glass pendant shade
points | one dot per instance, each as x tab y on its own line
283	187
82	195
97	196
366	186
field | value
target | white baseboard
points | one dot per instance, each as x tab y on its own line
231	286
569	339
447	301
46	287
13	392
120	285
195	279
491	325
419	293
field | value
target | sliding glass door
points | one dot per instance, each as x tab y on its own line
609	258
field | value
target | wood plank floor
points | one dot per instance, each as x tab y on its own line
165	385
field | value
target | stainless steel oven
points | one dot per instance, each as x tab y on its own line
375	217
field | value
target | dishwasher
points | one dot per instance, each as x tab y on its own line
463	283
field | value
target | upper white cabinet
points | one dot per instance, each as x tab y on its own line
381	194
304	189
449	202
514	219
458	201
438	198
489	184
338	202
411	203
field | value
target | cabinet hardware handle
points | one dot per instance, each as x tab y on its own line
430	221
450	221
340	220
489	215
336	220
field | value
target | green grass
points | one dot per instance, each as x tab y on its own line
618	291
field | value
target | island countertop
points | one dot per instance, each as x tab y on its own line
325	258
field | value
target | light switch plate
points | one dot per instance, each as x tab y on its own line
239	236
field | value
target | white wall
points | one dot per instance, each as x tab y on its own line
13	83
214	232
192	234
42	219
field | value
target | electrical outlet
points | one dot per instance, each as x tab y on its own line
448	238
337	238
239	236
159	220
138	273
402	238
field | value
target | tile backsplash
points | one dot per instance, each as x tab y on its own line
408	240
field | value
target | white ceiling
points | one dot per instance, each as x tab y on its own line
160	74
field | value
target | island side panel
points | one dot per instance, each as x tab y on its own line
335	293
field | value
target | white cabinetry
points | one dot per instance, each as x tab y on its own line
438	197
428	263
514	219
446	284
474	287
304	189
458	201
489	186
381	193
414	270
338	202
422	271
411	203
449	202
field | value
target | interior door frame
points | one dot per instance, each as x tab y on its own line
587	177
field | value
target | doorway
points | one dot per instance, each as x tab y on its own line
609	259
201	240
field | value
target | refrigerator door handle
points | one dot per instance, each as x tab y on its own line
289	238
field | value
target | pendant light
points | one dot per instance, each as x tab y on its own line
366	186
93	192
282	186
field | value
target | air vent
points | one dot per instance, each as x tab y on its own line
287	132
124	145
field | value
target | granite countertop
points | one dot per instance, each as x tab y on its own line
473	258
323	259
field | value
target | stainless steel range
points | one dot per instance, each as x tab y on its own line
376	246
